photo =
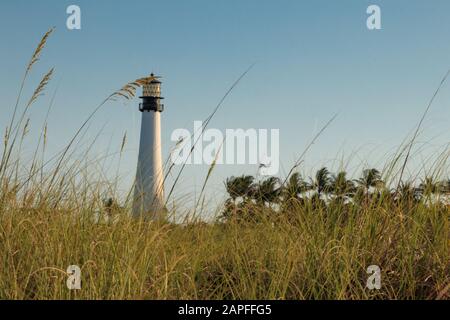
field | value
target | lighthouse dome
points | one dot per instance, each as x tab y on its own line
152	88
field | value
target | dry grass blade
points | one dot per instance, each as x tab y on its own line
297	163
208	175
124	142
26	127
37	53
34	59
16	130
408	153
5	137
41	87
128	91
205	125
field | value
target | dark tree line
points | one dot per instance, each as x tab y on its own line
248	197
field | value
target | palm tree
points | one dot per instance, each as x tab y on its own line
371	178
322	180
295	186
268	191
341	186
240	187
292	191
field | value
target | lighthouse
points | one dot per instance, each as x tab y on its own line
149	186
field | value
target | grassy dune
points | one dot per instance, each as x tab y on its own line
277	246
315	254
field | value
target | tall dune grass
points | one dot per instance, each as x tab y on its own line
54	215
315	254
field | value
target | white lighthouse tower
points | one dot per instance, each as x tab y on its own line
149	186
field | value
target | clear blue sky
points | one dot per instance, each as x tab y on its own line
313	59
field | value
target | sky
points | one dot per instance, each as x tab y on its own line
312	59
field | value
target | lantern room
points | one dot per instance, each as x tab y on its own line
151	96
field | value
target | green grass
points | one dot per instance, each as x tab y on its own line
312	255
